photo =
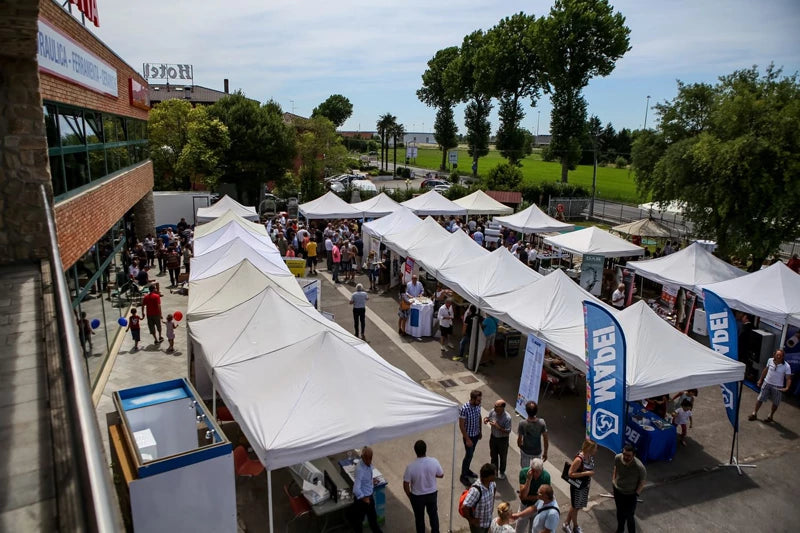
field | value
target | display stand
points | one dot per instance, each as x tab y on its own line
162	438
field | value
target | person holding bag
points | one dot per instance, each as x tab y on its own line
582	467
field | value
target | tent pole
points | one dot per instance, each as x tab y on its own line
269	489
213	397
734	461
453	477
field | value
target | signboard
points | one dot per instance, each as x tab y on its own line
452	157
605	379
531	374
669	295
64	58
408	270
592	273
138	94
168	72
724	337
411	151
89	10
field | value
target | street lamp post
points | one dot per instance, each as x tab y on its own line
646	108
538	115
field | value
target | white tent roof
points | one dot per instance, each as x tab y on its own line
662	360
433	203
427	231
229	216
772	293
232	253
226	203
646	227
552	309
290	420
229	288
593	240
227	233
491	274
447	248
533	220
329	205
480	203
400	220
673	207
377	206
690	267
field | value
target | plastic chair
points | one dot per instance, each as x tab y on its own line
298	503
243	465
550	381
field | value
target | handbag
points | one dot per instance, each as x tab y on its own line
578	483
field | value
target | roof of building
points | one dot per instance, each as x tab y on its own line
506	197
194	93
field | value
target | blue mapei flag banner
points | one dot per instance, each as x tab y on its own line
605	380
724	337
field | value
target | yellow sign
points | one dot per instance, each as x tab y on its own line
297	265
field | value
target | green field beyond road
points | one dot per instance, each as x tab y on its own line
612	183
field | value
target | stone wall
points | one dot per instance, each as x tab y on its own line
23	146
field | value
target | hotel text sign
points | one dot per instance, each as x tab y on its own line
164	71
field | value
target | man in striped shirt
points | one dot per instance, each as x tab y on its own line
469	422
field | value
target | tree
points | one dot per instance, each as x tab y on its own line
384	124
503	177
580	39
202	156
262	144
336	108
396	131
445	131
462	80
186	145
510	68
731	153
319	148
437	91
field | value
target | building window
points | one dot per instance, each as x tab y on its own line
86	145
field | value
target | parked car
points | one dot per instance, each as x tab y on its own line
336	186
442	188
431	183
364	186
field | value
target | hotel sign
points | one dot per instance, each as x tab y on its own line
164	71
62	57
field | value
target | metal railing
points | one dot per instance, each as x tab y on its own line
101	511
616	213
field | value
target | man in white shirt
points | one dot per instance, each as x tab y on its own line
419	483
414	287
445	316
329	253
618	297
775	379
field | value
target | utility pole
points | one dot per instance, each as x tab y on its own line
292	101
646	108
538	115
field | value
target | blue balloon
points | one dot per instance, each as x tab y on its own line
95	323
122	322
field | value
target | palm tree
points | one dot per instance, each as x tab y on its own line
384	124
396	131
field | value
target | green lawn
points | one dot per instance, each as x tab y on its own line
612	183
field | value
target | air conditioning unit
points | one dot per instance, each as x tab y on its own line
763	345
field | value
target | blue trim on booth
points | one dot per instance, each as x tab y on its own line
154	394
186	459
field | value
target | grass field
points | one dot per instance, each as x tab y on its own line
612	183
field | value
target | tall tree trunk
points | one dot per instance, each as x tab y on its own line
394	172
564	169
443	166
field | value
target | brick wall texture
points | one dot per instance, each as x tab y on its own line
83	219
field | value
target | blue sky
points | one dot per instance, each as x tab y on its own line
374	51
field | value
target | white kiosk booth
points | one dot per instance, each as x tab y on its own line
173	465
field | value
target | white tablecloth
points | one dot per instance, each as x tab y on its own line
422	325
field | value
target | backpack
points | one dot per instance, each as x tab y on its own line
461	510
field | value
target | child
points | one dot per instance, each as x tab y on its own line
171	325
86	332
133	326
681	416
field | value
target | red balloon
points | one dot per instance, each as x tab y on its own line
177	315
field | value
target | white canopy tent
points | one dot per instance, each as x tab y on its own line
675	207
772	293
552	309
232	253
227	233
689	268
449	248
400	220
225	290
377	206
661	360
222	221
225	204
329	205
492	274
533	220
403	240
593	240
433	203
646	227
480	203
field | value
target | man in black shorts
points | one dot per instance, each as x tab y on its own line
445	316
